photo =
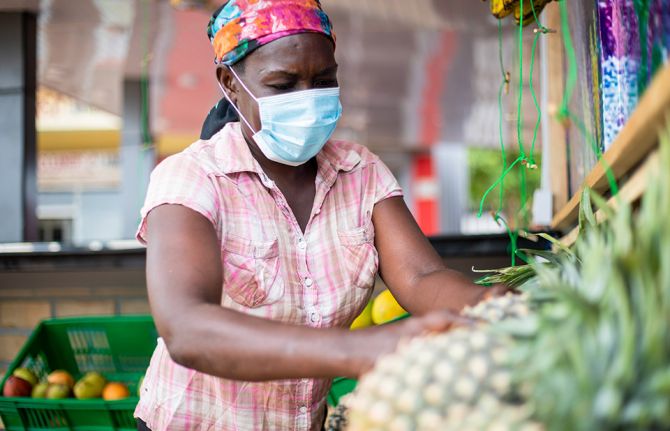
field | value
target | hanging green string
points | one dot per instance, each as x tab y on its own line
523	158
513	237
523	198
144	77
505	170
538	121
504	83
642	12
541	29
564	113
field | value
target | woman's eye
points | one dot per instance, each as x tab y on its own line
282	87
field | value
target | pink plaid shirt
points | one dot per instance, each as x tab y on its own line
322	278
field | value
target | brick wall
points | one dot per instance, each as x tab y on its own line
28	297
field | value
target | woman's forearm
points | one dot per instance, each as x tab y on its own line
232	345
444	289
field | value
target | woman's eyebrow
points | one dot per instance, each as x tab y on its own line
277	73
283	73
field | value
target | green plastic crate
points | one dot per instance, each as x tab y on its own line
340	387
118	347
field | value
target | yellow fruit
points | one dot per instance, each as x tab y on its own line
95	379
115	391
139	386
57	391
385	308
90	386
26	375
40	390
364	319
60	377
502	8
85	390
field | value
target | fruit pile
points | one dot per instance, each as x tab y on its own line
60	384
584	346
382	309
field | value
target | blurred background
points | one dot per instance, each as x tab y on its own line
122	84
95	93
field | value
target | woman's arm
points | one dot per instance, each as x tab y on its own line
412	269
185	284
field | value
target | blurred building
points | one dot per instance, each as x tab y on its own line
125	83
94	93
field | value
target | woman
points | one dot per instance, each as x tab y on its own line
263	242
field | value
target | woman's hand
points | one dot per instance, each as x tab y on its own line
372	343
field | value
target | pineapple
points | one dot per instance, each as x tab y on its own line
444	381
586	346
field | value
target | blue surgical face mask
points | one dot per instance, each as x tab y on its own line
294	126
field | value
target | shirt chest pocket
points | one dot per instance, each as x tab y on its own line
360	255
251	271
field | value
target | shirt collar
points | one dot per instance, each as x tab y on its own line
233	155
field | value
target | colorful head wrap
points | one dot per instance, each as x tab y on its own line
240	26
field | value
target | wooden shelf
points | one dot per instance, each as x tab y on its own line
632	191
635	141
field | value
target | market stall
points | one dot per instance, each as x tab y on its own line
572	336
582	344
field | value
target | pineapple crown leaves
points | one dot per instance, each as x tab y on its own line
596	351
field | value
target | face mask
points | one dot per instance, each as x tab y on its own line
294	126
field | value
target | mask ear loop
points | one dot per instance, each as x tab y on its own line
225	94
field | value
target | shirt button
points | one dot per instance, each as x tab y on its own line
309	282
314	317
303	410
302	245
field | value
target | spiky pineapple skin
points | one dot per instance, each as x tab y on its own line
446	381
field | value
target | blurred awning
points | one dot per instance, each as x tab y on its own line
87	47
412	73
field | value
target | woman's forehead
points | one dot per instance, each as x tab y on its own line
293	54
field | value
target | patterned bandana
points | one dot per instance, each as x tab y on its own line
240	26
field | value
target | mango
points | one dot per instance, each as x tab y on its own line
95	378
85	390
40	390
364	319
57	391
385	308
61	377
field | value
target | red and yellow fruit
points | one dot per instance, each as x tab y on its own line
17	387
61	377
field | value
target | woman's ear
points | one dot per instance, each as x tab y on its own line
228	83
